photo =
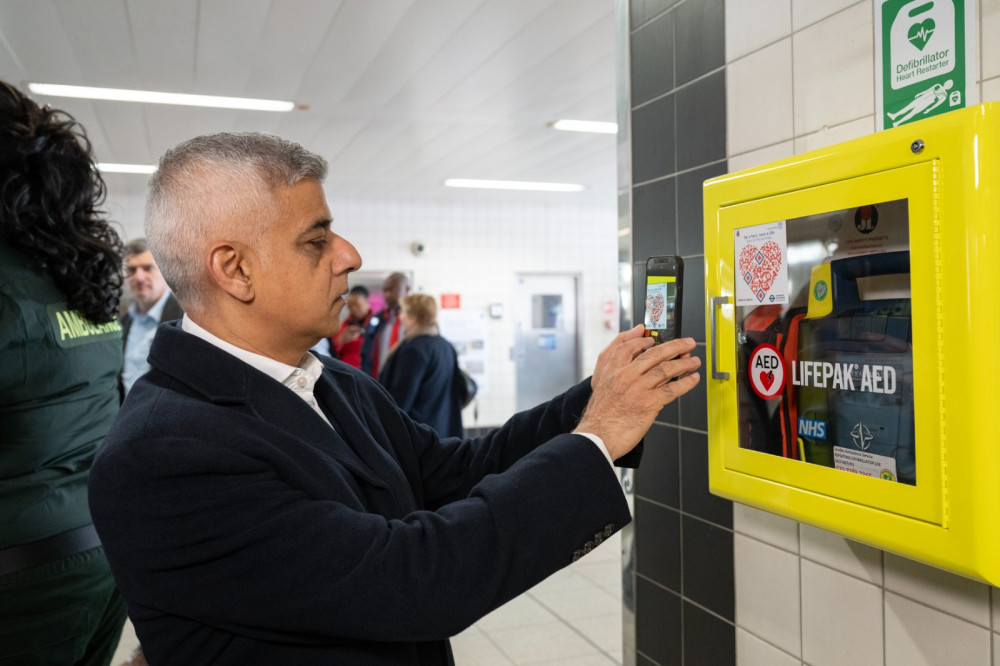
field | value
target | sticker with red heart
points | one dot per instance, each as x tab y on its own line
767	371
759	267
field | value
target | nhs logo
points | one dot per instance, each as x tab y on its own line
814	429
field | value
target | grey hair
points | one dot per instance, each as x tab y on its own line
214	187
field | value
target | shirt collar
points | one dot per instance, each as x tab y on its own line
309	368
156	312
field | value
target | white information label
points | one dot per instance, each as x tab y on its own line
864	463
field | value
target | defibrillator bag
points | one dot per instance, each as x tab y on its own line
854	373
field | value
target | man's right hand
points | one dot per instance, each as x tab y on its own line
633	386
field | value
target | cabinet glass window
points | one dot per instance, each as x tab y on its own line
824	340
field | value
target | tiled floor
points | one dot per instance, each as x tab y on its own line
572	617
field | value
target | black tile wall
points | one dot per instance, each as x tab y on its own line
701	121
662	646
658	478
719	651
653	44
655	154
656	204
708	566
693	309
691	207
683	535
701	38
692	406
641	11
658	552
695	498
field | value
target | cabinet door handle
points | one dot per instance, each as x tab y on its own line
716	301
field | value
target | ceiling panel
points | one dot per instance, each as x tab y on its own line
397	94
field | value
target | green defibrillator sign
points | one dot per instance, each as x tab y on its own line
924	59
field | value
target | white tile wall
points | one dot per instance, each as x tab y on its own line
831	135
841	618
759	98
767	527
848	556
833	71
767	20
946	591
752	651
806	596
916	634
807	12
767	593
989	43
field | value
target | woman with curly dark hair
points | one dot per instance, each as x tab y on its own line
60	354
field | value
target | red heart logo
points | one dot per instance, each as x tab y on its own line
766	378
759	267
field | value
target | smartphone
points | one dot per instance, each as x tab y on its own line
664	281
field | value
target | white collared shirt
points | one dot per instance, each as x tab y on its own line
301	379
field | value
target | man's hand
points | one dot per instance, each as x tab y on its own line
632	383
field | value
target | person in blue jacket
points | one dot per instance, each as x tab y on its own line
261	506
60	355
421	371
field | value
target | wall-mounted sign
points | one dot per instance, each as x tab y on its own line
925	61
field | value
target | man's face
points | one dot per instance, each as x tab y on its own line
299	289
393	290
144	280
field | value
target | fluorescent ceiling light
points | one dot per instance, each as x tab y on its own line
150	97
586	126
108	167
513	185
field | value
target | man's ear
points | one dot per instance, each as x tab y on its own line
229	268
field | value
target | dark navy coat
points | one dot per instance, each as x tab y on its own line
422	375
242	530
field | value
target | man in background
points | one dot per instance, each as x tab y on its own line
380	338
152	303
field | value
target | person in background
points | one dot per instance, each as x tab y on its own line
421	371
60	355
261	506
385	332
152	303
350	337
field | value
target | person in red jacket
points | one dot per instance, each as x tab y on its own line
350	337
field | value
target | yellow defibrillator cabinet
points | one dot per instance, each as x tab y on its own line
853	362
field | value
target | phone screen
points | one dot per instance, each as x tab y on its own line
663	296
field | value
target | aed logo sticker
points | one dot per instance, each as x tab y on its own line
767	371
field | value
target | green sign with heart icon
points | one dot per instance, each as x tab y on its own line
923	64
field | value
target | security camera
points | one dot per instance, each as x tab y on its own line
417	248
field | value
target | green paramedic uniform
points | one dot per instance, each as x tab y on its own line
58	397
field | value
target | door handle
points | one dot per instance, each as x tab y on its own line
716	301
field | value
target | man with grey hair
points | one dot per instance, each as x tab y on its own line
152	303
261	506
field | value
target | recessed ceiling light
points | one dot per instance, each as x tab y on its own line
150	97
513	185
109	167
597	127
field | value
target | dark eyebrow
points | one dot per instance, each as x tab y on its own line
323	224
